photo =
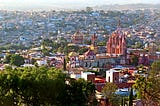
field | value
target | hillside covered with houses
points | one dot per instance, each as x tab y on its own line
107	49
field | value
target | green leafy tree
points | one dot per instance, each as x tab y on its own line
42	86
47	42
82	50
102	43
148	88
79	92
155	68
8	67
16	60
60	49
64	64
73	48
65	50
32	86
87	42
131	97
109	91
138	44
45	52
134	60
33	61
141	86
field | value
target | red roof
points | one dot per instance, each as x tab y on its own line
100	80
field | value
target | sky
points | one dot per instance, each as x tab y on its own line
54	4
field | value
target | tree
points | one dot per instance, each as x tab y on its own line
73	48
89	9
32	86
42	86
33	61
138	44
109	91
45	51
131	97
16	60
102	43
155	68
47	42
79	92
65	50
64	64
148	88
141	86
8	67
60	49
134	60
87	42
82	50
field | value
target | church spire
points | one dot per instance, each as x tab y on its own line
119	23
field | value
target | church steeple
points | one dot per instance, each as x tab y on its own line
94	43
119	26
119	23
94	39
116	43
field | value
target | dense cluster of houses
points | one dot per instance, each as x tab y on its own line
114	64
117	62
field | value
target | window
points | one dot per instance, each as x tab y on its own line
109	79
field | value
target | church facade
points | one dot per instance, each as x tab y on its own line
116	45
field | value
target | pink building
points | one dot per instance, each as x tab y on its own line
116	44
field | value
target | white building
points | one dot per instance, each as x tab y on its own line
88	76
112	75
41	62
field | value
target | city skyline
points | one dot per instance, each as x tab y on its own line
64	4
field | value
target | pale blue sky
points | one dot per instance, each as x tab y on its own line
49	4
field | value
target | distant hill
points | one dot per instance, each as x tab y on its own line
128	6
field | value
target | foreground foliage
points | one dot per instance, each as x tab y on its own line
14	59
40	86
148	88
109	91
